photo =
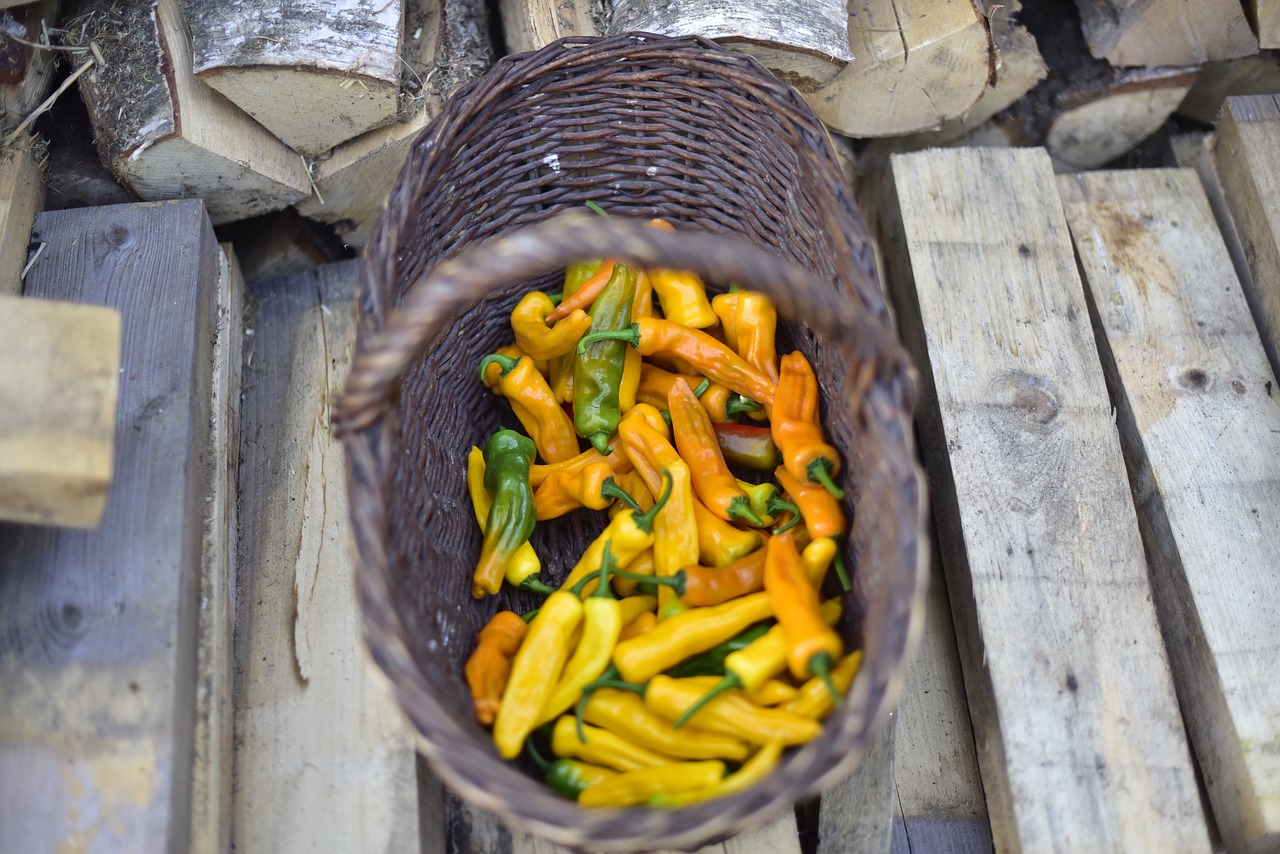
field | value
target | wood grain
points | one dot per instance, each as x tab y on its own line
533	24
1202	434
1258	74
26	73
98	647
856	814
21	198
1265	17
1166	32
1248	148
1079	739
324	757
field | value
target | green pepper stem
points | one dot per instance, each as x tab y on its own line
702	387
533	585
603	590
644	521
734	287
536	755
600	441
528	616
611	678
729	681
666	416
777	504
506	363
597	209
556	298
740	508
631	335
841	572
610	489
820	665
819	471
738	404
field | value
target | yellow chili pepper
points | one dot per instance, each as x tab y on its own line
813	648
601	747
767	503
655	388
641	624
752	771
725	306
539	339
629	385
713	483
814	699
634	606
629	534
535	406
634	486
643	305
534	671
817	558
720	543
688	633
756	325
731	714
637	787
772	692
493	373
625	713
523	567
641	565
681	293
573	465
562	492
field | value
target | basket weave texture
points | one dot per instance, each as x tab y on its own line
645	126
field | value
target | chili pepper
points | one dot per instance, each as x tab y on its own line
629	534
643	305
534	670
817	557
602	747
655	387
699	586
621	465
491	374
634	606
771	692
675	542
720	543
796	428
636	787
688	633
637	495
581	297
602	622
681	292
748	446
731	714
625	713
711	662
738	405
523	567
570	778
597	372
489	666
709	357
539	339
511	517
752	771
768	503
629	383
640	567
756	324
814	698
813	648
560	374
725	306
562	492
641	624
751	666
713	483
535	406
822	514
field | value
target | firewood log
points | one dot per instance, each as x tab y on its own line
1258	74
26	72
1265	17
21	197
1166	32
531	24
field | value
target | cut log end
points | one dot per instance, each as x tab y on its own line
1166	32
1102	130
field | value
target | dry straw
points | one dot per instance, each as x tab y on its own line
645	126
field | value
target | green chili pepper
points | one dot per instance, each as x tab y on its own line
508	457
597	370
568	777
711	662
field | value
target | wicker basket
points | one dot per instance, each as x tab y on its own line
646	126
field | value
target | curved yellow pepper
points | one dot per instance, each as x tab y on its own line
636	787
534	670
540	339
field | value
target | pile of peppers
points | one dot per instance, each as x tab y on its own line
689	646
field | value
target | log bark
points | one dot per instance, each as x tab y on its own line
1166	32
447	45
532	24
164	134
26	72
1264	15
1258	74
915	66
804	43
315	74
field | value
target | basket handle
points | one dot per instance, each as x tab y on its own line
457	283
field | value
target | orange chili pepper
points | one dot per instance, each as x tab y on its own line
822	514
489	667
563	492
813	647
634	486
705	585
696	439
681	292
535	406
575	464
796	428
581	299
655	387
725	306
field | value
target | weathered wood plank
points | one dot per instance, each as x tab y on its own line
21	197
1166	32
324	757
1248	149
856	814
533	24
1202	435
915	66
1265	17
98	647
1079	740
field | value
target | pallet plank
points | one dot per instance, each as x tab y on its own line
324	757
1079	740
1202	432
97	650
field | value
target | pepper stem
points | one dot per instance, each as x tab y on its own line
597	209
603	590
506	363
740	508
610	489
841	572
666	416
734	287
820	665
600	441
819	471
608	679
729	681
738	404
631	335
644	521
777	504
536	755
528	616
702	387
533	585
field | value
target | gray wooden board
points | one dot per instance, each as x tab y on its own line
97	628
1080	743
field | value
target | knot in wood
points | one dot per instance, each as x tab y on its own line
1032	397
1193	379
